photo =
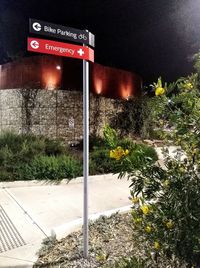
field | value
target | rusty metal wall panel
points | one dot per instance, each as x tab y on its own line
50	72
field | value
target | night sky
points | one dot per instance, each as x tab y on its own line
151	38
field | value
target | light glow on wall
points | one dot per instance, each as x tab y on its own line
125	91
98	86
51	81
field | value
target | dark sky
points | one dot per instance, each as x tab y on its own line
150	37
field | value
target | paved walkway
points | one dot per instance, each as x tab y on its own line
30	212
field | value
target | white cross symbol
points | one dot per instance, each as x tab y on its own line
80	52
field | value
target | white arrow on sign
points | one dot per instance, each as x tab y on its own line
37	27
80	52
34	44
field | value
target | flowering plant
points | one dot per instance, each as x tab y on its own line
166	197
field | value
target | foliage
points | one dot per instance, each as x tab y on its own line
110	137
18	151
134	119
166	198
30	145
100	163
130	263
51	168
54	147
94	142
167	213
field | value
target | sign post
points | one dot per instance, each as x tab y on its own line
80	52
85	154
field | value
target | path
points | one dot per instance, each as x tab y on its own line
30	212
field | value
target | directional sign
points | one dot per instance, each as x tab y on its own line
61	32
60	49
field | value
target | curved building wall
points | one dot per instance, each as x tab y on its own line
51	72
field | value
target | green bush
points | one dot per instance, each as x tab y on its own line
166	215
100	162
54	147
28	146
51	168
135	117
94	142
18	151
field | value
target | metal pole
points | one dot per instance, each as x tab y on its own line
85	154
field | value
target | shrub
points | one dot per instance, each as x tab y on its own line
138	154
167	215
100	162
135	117
165	198
18	151
17	142
94	142
51	168
54	147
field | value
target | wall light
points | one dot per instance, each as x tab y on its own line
58	67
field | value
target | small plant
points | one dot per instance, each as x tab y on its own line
130	263
51	168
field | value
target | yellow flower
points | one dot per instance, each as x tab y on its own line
145	209
166	183
170	224
138	220
148	229
156	245
118	153
101	257
112	153
126	151
135	200
159	91
182	169
188	85
161	122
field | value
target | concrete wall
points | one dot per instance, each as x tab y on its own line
53	113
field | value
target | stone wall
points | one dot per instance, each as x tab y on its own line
53	113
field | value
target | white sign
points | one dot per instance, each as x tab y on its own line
71	122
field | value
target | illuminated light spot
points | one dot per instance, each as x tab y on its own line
125	91
51	82
58	67
98	86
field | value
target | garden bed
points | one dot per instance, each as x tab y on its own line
27	157
111	245
110	238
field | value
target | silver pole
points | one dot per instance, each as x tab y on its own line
85	154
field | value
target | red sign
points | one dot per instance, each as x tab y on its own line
60	49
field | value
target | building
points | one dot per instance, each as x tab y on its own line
43	95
